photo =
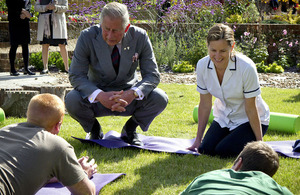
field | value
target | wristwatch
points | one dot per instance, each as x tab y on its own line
135	94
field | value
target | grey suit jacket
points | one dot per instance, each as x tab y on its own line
92	68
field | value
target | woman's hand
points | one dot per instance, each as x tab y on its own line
195	146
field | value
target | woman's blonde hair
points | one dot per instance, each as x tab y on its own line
45	110
221	32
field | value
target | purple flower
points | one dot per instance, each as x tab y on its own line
284	32
254	40
246	33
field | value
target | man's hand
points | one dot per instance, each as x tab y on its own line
90	168
128	96
112	100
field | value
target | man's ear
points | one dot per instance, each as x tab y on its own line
238	164
56	128
127	27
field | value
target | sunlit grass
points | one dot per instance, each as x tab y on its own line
162	173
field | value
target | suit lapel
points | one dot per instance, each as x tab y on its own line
103	54
128	50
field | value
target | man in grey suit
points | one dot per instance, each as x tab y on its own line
103	74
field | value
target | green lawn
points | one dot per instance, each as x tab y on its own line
162	173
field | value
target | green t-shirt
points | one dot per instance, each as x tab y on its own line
228	181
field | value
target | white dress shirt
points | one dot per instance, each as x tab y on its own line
93	96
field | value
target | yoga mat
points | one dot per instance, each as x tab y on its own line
2	115
112	140
284	148
278	121
176	145
100	181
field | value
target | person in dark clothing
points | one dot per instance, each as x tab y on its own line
19	32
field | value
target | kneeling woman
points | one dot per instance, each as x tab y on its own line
240	114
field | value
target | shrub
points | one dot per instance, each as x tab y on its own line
234	7
35	59
55	58
288	18
235	18
183	67
272	68
194	47
253	47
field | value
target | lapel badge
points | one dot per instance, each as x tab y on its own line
135	57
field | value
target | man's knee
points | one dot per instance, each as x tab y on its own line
159	97
72	98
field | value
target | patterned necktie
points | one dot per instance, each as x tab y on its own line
115	58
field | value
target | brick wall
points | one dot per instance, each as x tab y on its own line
4	33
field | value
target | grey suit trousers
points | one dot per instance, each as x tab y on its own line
143	111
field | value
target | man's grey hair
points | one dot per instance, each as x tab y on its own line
115	10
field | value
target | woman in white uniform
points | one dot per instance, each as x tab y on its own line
240	114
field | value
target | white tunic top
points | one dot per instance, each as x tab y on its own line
240	81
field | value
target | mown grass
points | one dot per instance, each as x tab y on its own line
163	173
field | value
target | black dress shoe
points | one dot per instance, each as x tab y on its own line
96	132
29	72
14	74
130	137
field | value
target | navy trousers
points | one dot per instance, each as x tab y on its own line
224	143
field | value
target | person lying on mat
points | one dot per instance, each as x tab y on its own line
240	114
251	173
103	74
31	153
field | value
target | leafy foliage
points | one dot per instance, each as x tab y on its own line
253	47
35	59
183	67
272	68
55	58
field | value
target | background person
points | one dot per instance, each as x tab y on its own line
240	114
103	74
52	29
251	173
19	32
31	153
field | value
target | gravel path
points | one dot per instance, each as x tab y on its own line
284	80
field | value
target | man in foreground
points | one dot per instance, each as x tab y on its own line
31	153
103	74
251	174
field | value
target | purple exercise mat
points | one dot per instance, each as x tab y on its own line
100	181
176	145
284	148
160	144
